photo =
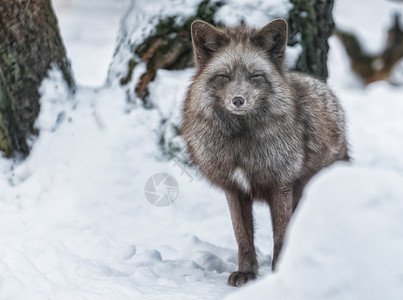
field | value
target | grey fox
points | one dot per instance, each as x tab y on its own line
255	130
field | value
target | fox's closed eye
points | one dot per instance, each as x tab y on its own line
257	76
221	78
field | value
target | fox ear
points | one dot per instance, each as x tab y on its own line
273	39
206	41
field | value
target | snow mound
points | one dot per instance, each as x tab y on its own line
345	241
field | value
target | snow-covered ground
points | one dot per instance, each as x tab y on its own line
89	30
75	222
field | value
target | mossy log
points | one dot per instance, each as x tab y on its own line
169	47
311	24
369	67
29	44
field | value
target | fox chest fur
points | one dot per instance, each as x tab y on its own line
249	153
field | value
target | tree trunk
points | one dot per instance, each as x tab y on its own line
311	24
29	44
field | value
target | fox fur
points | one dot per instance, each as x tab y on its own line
257	131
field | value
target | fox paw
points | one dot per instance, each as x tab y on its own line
239	278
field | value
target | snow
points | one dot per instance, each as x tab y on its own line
244	11
88	28
75	222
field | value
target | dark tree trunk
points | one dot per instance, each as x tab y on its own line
311	24
29	44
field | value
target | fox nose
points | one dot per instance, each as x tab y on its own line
238	101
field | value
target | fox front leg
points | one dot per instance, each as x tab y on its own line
281	207
240	206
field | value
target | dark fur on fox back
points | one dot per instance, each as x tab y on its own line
293	128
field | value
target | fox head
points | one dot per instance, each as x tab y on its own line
240	70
